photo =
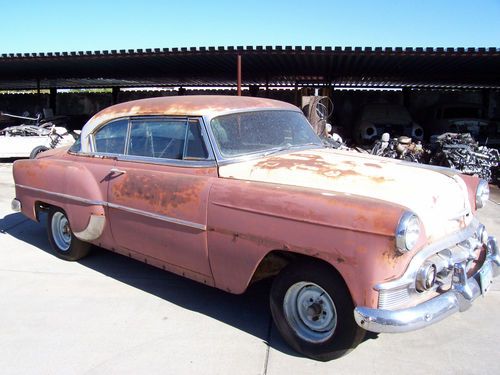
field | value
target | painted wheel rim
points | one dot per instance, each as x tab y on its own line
310	312
61	232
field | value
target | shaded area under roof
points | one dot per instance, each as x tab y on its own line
274	66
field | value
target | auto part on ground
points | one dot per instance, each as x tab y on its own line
460	151
335	141
399	148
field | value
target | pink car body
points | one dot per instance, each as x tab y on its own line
229	221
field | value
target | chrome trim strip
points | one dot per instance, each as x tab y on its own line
408	277
120	207
65	196
151	215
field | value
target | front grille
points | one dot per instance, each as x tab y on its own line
390	299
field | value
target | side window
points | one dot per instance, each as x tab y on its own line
76	146
166	139
157	138
196	149
111	137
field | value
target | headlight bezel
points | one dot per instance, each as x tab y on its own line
482	193
408	221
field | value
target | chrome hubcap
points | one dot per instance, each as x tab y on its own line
61	232
310	312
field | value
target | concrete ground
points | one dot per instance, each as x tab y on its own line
110	314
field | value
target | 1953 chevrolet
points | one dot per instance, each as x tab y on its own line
231	190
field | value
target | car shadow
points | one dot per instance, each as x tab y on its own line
248	312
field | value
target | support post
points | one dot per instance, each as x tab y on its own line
53	99
238	90
38	94
114	94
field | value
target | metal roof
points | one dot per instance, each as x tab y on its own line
273	65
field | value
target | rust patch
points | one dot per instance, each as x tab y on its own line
373	165
392	257
349	162
162	194
316	164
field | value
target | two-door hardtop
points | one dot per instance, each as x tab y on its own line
230	190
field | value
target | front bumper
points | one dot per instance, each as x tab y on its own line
459	298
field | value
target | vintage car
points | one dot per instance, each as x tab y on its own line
378	118
231	190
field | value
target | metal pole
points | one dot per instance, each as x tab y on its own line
239	76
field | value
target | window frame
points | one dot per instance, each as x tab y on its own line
207	162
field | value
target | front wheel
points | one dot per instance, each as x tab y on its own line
313	311
62	239
37	150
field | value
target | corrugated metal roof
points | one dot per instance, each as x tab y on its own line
274	65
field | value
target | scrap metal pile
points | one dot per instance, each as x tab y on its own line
399	148
460	151
453	150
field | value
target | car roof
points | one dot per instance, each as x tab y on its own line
188	105
193	105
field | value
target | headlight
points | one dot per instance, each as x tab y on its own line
407	232
482	194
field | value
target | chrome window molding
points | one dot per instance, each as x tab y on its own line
210	161
187	163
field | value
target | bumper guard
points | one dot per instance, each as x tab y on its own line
459	298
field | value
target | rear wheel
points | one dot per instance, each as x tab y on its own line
62	239
313	311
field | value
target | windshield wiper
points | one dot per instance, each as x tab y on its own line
275	150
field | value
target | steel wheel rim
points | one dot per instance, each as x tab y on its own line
310	312
61	232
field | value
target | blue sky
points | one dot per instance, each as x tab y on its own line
56	26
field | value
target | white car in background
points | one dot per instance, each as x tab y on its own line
23	141
378	118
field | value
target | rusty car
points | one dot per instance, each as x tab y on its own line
228	191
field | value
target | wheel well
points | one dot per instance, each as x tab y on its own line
41	207
276	260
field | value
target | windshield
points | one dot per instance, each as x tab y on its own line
239	134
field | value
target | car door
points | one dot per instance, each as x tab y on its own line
158	194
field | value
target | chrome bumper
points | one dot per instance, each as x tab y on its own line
459	298
15	205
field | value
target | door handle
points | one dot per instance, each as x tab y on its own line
117	171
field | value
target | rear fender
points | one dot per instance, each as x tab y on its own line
65	184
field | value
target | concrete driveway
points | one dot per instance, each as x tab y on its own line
110	314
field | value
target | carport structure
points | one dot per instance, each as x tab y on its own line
461	68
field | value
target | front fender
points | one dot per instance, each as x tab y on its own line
247	220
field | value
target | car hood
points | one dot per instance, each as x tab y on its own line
438	197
